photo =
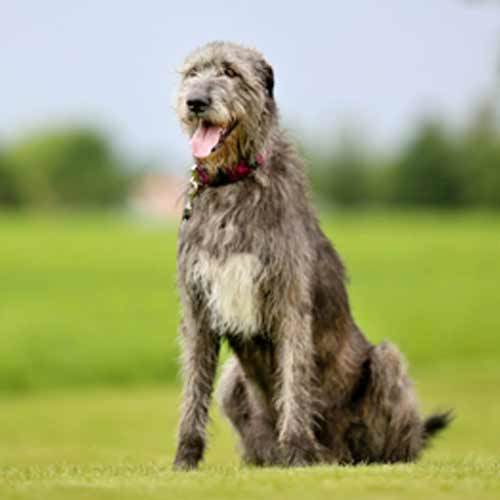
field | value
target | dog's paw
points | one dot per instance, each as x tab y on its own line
267	455
189	453
300	453
185	464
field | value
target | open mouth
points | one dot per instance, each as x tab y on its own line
208	137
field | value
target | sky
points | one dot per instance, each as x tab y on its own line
380	65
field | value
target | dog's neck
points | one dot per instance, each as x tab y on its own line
227	174
201	177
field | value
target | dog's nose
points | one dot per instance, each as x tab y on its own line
198	104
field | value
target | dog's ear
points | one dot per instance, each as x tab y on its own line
267	74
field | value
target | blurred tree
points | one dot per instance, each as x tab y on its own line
342	175
429	170
10	190
481	155
74	167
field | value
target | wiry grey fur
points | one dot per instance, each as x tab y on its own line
254	268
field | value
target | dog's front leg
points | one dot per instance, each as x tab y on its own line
296	398
200	356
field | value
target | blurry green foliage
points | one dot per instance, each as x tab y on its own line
344	174
10	188
429	170
73	167
437	167
480	151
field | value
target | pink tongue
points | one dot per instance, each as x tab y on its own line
204	139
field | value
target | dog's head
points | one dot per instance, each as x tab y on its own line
225	102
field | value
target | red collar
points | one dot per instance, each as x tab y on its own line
200	178
227	175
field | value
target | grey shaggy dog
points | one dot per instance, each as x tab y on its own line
304	386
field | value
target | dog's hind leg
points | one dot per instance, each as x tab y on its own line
393	430
253	423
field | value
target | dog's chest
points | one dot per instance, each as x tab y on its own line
231	289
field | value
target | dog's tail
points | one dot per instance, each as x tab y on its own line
436	423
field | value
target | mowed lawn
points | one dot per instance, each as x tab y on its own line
119	443
88	359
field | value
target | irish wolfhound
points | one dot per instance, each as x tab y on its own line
304	385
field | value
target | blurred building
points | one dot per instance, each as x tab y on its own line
158	195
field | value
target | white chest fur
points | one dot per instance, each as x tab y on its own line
231	289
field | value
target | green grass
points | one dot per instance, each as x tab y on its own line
118	443
89	303
90	300
86	301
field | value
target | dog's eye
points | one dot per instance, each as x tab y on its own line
192	72
230	72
